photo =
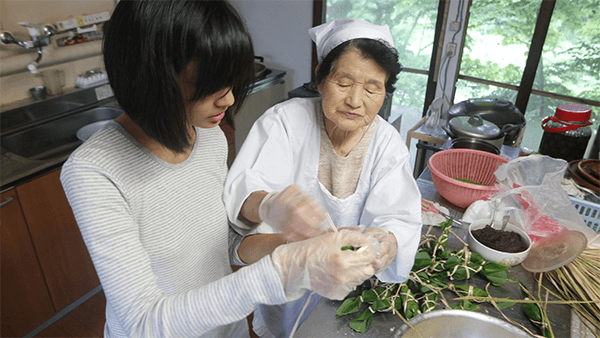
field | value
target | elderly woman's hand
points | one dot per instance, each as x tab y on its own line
386	251
294	214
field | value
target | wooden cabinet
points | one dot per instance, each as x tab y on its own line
45	264
26	301
63	256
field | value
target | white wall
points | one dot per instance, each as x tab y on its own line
279	30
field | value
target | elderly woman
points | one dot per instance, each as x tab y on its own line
335	149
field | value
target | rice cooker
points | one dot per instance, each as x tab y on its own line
475	133
499	112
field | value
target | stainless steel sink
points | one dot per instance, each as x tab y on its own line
26	115
56	138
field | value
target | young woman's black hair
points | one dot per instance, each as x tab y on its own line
148	44
385	56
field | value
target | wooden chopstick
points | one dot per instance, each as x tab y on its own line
331	222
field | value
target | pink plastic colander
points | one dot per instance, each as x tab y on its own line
473	165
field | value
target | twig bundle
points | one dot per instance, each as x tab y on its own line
580	280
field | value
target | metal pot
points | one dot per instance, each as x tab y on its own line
499	112
472	143
474	127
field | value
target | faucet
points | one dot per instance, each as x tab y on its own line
39	39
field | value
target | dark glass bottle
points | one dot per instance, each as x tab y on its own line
567	133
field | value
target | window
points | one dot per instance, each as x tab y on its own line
535	61
536	54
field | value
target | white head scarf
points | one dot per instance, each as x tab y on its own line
331	34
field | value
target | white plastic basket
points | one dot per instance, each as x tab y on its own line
590	212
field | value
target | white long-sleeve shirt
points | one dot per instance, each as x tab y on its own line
158	236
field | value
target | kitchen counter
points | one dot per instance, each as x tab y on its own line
321	321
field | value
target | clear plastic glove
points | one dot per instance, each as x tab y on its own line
386	251
293	213
319	264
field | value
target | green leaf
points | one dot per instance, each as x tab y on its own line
447	224
437	281
362	321
422	259
469	306
428	302
381	304
444	254
466	305
424	276
437	266
350	305
424	289
398	305
409	304
477	258
505	305
490	267
460	273
412	309
369	296
384	292
452	262
467	181
533	312
463	290
497	278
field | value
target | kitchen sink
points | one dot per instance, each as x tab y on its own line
57	138
26	115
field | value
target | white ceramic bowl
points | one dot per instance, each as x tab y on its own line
494	255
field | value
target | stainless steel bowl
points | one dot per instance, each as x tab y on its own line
459	323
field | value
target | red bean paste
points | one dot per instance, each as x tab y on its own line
505	241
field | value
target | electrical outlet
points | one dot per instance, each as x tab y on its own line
451	50
455	26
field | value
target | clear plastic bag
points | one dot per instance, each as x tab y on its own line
530	191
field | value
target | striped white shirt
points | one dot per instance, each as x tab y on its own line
158	236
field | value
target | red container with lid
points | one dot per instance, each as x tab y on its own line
567	133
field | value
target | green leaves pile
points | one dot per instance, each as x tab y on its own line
434	271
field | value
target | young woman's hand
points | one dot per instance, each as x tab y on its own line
321	265
293	213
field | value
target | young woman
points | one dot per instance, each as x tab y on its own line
146	190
